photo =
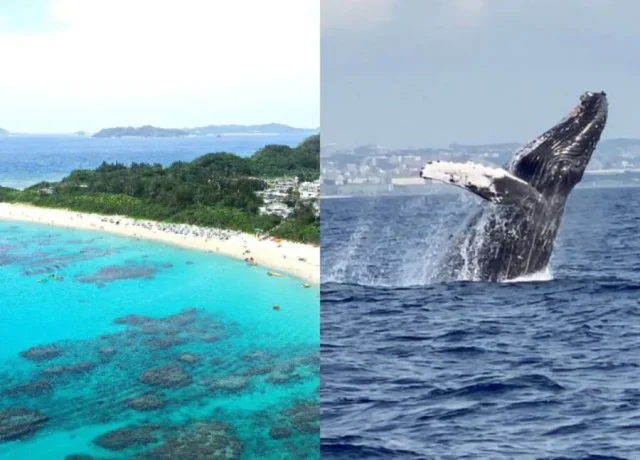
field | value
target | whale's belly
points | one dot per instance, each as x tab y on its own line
503	243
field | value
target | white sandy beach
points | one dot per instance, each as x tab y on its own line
299	260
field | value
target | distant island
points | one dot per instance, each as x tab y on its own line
152	131
4	132
81	133
143	131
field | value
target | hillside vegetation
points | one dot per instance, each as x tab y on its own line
214	190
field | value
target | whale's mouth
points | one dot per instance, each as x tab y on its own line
579	132
592	109
560	155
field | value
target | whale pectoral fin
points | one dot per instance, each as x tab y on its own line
491	183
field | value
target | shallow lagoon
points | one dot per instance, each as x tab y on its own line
205	366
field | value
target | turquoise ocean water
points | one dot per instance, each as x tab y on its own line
208	368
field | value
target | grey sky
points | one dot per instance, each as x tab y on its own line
403	73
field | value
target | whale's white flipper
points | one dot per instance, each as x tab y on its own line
491	183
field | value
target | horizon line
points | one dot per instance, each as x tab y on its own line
64	133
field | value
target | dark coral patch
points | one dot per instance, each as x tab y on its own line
114	273
20	423
124	438
163	343
146	402
135	320
42	353
228	383
280	432
206	440
71	369
169	376
34	388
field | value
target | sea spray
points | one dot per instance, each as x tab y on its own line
348	263
414	245
428	236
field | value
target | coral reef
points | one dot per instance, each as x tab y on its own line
20	423
204	441
151	375
124	438
42	353
169	376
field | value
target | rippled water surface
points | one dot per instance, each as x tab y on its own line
116	348
414	368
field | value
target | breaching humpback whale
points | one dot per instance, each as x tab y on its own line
514	232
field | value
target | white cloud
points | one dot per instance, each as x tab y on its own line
129	53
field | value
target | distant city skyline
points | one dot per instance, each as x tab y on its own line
85	65
415	73
451	145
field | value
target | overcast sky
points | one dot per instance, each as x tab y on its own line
403	73
68	65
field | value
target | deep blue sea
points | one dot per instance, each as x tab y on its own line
118	348
414	368
25	160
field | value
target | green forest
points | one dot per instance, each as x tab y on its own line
214	190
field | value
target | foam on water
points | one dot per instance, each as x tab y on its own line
542	275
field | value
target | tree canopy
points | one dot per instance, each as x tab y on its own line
216	190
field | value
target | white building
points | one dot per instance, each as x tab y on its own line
278	209
309	190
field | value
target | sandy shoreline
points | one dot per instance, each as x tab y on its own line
296	259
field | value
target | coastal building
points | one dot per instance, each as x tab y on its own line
309	190
278	209
371	170
279	192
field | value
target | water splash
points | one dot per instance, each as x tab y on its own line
543	275
473	237
345	266
412	242
423	260
409	245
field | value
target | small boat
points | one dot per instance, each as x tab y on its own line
278	275
306	285
276	307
